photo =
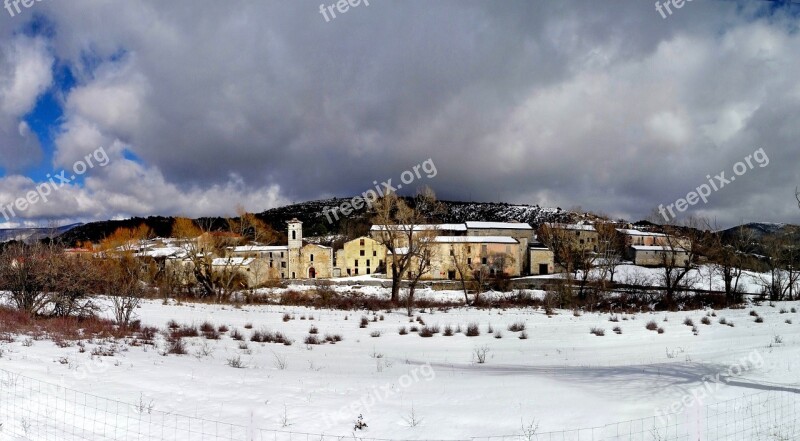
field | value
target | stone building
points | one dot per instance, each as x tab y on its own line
363	255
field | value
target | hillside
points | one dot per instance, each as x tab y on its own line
316	224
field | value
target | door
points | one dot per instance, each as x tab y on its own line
312	273
542	268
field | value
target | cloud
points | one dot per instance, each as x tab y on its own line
557	103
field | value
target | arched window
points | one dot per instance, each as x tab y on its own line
312	257
294	235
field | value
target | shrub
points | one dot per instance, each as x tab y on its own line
523	335
617	330
176	346
498	334
286	317
753	313
598	331
576	313
783	311
413	329
473	330
516	327
313	330
207	327
660	330
651	325
480	354
223	328
613	318
458	329
333	339
788	321
375	334
688	321
794	310
426	332
312	340
364	322
490	330
759	319
723	321
705	320
243	345
403	330
236	335
236	362
172	324
730	324
448	331
248	326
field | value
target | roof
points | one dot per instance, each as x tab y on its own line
400	250
422	227
580	227
630	232
475	239
259	248
499	225
232	261
657	248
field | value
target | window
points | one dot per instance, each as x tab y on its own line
294	236
270	264
312	257
368	270
355	271
361	242
469	260
281	253
293	275
361	253
469	249
283	275
452	252
368	263
356	262
270	255
374	253
283	264
483	260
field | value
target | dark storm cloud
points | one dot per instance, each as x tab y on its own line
600	104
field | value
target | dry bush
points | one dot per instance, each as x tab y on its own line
237	335
403	330
426	332
651	325
705	320
688	321
364	322
375	334
473	330
598	331
448	331
617	330
333	339
312	340
516	327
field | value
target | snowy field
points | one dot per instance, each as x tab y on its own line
411	387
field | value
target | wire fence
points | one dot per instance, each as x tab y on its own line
32	410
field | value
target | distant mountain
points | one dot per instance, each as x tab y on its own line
764	230
33	234
316	223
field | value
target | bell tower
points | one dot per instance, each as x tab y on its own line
295	246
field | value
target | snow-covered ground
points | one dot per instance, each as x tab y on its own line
561	376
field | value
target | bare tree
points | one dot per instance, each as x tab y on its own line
22	275
400	228
677	259
420	265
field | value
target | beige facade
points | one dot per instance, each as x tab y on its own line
657	255
360	256
542	260
584	237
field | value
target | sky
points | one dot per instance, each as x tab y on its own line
196	107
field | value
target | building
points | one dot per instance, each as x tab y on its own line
656	255
363	255
584	236
542	259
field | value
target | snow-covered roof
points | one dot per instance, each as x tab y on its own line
580	227
475	239
656	248
499	225
163	252
630	232
400	251
232	261
259	248
423	227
